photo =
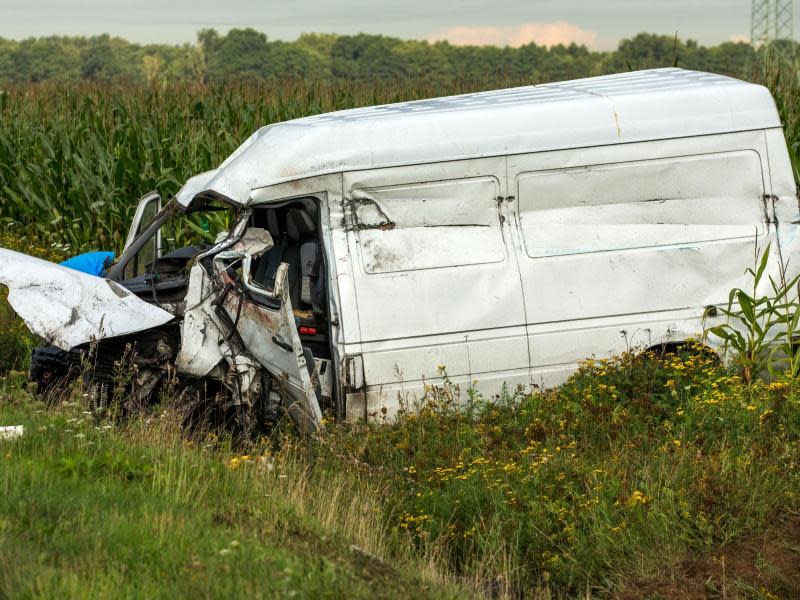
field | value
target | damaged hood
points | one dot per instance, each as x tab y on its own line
68	308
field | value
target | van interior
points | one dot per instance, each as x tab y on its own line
296	234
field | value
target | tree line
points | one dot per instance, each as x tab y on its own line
247	54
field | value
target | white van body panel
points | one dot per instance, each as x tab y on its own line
500	238
436	280
632	234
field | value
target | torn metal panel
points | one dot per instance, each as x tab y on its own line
201	331
10	432
224	323
68	308
270	335
193	186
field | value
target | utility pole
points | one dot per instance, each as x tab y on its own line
771	20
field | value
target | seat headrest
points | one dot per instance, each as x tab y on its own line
299	224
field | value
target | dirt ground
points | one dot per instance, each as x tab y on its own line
757	567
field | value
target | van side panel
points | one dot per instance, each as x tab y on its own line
784	199
436	280
626	246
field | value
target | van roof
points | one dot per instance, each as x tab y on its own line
612	109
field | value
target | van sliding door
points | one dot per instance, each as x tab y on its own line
628	252
436	281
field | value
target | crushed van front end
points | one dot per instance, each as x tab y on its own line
191	321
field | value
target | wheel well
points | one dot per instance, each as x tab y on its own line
667	348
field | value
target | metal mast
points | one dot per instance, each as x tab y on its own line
771	20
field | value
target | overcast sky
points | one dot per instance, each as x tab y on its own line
598	24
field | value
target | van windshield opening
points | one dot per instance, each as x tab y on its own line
170	237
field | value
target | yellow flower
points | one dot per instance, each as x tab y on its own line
751	407
637	498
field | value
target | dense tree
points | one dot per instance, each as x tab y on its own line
290	60
37	59
243	54
102	61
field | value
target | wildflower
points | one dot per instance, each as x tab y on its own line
751	407
677	443
637	498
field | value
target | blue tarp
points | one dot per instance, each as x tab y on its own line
93	263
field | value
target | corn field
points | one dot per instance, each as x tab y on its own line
75	158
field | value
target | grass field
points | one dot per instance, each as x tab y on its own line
88	510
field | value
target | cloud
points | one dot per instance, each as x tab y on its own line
543	34
740	37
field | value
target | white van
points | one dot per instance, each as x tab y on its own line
504	235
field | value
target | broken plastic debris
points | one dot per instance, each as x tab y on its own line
10	432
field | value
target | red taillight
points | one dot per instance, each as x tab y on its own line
306	330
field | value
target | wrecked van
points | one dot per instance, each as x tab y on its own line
503	236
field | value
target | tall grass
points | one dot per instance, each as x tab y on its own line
640	477
90	509
75	157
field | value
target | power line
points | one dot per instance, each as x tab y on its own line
771	20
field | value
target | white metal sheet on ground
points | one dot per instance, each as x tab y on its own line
10	432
